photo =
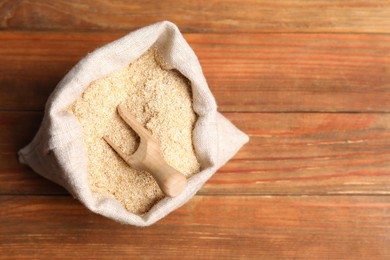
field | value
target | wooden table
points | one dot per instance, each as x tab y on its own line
309	81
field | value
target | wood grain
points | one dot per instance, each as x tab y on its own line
17	130
212	227
309	81
298	153
252	73
199	16
289	153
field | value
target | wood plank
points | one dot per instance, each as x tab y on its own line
262	72
212	227
308	153
16	130
200	16
292	153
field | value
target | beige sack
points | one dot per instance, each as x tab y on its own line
57	151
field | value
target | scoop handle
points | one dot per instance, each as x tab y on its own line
148	158
170	181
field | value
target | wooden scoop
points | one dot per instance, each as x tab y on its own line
148	157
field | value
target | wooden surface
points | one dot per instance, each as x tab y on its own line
209	227
199	15
309	81
249	73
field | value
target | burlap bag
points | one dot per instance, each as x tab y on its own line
57	151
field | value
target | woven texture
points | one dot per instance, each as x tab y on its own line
57	151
